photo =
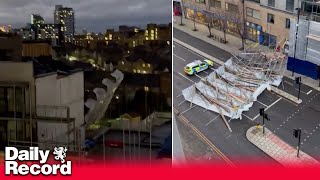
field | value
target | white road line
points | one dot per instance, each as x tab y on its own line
179	95
188	109
179	57
198	76
212	120
262	103
288	83
309	92
247	117
181	102
186	77
268	108
273	103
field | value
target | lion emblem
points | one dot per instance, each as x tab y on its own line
60	153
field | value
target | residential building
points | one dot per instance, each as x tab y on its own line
10	47
50	32
36	19
36	48
65	16
29	116
268	21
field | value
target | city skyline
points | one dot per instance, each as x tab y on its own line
17	13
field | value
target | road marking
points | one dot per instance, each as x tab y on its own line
185	77
268	108
179	57
205	72
179	95
198	76
247	117
204	139
181	102
288	83
262	103
309	92
188	109
273	103
212	120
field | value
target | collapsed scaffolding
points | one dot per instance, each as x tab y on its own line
233	87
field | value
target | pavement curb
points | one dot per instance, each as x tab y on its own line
232	52
198	52
286	95
286	160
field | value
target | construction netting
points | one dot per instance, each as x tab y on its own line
232	88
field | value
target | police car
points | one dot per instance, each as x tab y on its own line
197	66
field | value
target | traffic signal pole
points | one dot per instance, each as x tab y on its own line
263	123
299	142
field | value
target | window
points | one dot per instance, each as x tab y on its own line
215	4
287	23
231	7
271	3
270	18
253	13
290	5
201	1
143	65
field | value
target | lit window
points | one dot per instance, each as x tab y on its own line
143	65
134	71
146	88
122	62
138	71
149	65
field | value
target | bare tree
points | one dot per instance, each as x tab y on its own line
209	24
194	20
239	21
223	21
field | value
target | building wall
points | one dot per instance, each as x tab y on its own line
53	90
10	47
19	72
277	29
36	49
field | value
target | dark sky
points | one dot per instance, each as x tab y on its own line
94	15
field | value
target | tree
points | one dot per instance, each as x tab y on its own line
238	19
209	24
223	21
194	20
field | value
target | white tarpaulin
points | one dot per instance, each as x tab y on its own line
223	90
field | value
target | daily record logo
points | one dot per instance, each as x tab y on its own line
12	155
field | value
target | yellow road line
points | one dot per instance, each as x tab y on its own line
203	138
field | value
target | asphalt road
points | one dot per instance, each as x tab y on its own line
284	115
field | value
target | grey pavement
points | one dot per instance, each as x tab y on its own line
284	114
199	39
279	150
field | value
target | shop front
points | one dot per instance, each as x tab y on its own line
197	14
254	32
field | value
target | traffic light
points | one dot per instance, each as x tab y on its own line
298	80
296	133
261	111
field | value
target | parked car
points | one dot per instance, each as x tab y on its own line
197	66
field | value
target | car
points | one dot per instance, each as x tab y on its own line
197	66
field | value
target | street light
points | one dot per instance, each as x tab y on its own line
295	41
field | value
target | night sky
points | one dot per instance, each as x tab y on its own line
94	15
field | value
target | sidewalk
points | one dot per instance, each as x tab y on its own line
233	45
278	149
